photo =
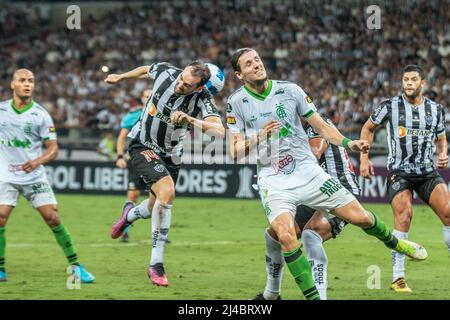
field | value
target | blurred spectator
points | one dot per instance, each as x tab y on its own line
106	147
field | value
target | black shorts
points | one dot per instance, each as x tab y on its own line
423	184
134	182
304	214
149	167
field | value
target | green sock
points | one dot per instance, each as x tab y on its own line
300	269
2	249
381	232
64	240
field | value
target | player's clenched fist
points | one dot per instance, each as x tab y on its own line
112	78
268	129
359	146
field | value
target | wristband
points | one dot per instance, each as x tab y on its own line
345	143
120	156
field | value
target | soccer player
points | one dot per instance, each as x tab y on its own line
178	96
311	225
24	127
134	184
415	129
266	114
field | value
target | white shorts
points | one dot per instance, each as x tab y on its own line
39	194
323	193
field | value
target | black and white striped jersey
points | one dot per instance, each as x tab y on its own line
336	163
154	128
411	132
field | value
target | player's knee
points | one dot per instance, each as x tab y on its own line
53	219
287	239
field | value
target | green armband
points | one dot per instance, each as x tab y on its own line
345	143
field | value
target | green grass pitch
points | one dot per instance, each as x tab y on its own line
217	253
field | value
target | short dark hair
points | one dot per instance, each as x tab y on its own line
199	69
236	55
416	68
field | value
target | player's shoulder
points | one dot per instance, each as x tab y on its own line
37	107
434	103
4	105
157	68
238	96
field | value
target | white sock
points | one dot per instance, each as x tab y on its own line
161	218
138	212
398	259
447	236
274	268
313	244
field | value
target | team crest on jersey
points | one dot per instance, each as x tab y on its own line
281	112
308	99
27	128
429	119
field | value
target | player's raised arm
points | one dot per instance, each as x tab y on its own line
137	73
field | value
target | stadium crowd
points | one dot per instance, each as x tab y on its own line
328	50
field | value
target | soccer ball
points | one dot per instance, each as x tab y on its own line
217	79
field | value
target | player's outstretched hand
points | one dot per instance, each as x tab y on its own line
359	146
366	169
30	166
121	163
112	78
179	117
442	161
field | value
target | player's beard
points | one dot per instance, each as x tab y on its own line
414	95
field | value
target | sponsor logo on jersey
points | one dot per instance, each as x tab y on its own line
15	143
159	168
245	100
265	114
231	120
285	131
163	117
152	110
403	132
51	129
308	99
253	118
286	165
229	107
330	187
279	91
